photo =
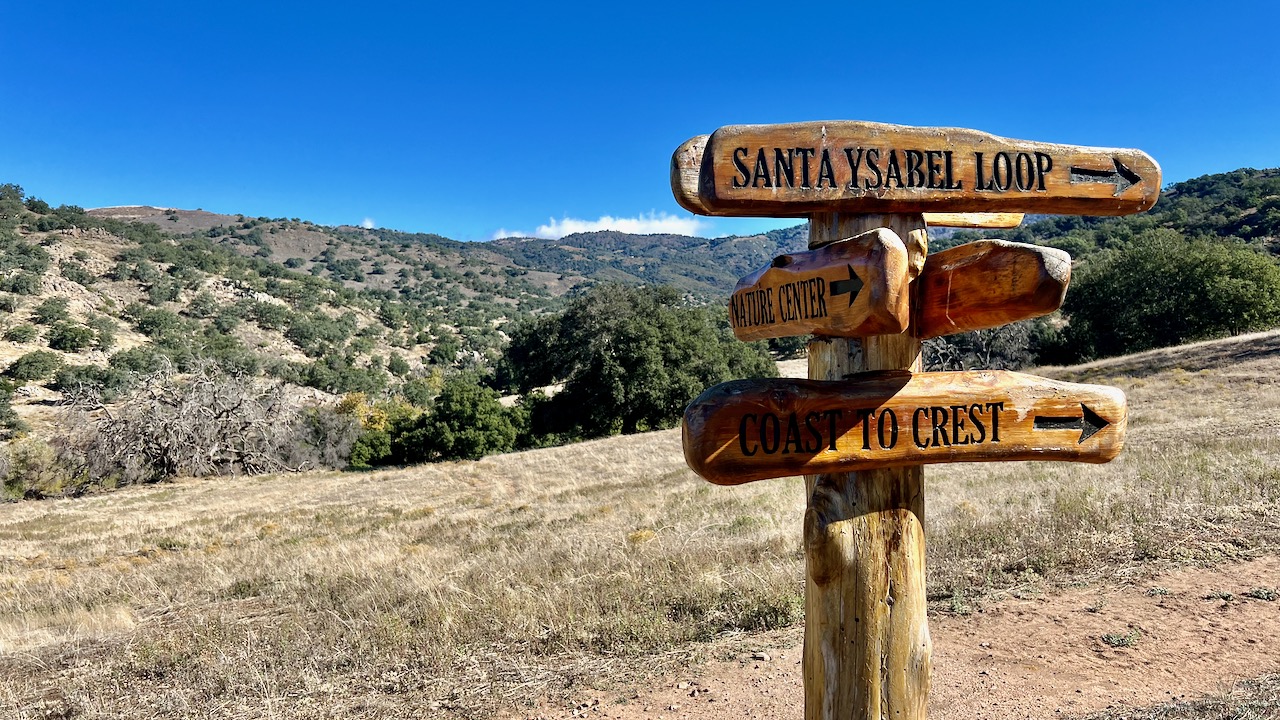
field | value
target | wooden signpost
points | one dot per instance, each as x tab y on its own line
867	420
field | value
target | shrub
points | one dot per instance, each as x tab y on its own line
23	283
203	305
92	383
22	333
75	272
51	311
105	328
34	470
397	365
70	337
36	365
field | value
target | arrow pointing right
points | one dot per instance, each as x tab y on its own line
851	286
1088	424
1122	177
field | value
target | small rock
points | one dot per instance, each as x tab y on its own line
682	686
763	656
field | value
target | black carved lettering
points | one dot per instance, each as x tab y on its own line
892	417
809	420
874	167
997	172
994	409
1024	175
742	436
767	435
915	427
853	166
784	168
864	418
956	185
938	416
893	171
761	171
822	297
741	165
833	415
805	154
974	412
915	171
825	170
957	424
1044	163
979	184
793	436
933	158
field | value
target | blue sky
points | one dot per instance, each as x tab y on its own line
473	118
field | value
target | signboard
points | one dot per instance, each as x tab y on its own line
747	430
686	167
862	167
852	287
986	284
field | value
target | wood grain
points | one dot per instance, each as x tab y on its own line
789	169
746	430
986	284
853	287
866	643
988	221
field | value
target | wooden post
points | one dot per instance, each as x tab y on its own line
867	653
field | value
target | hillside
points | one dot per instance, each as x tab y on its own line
1243	204
92	301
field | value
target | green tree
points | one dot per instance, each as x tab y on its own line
630	360
467	423
1164	289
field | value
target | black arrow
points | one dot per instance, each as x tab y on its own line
1088	425
851	286
1122	177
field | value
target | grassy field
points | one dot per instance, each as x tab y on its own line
459	588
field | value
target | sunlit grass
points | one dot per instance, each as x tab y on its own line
461	587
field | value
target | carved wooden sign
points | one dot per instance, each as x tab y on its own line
746	430
686	168
986	284
862	167
853	287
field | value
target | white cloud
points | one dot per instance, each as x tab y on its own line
653	222
368	224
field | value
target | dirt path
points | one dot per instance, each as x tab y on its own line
1032	659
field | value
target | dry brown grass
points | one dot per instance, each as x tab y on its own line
454	589
1257	699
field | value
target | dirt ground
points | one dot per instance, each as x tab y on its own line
1190	633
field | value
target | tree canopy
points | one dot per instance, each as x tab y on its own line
1164	289
630	359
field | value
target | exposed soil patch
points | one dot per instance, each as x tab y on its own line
1190	633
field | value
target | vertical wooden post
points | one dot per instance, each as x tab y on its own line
866	638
